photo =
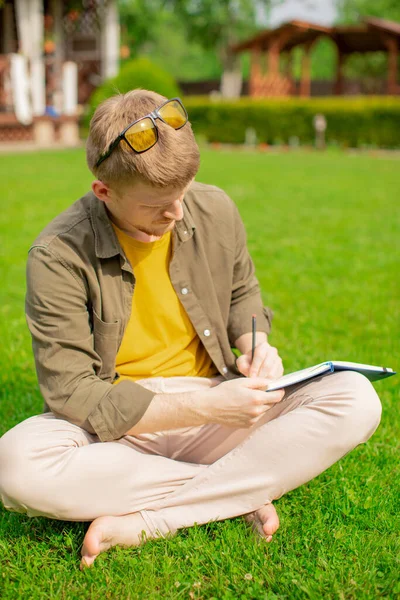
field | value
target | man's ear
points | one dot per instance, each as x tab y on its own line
101	190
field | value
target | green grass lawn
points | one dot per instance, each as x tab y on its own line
324	233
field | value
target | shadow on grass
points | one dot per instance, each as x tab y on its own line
12	523
58	544
38	538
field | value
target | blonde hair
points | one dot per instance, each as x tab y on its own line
173	161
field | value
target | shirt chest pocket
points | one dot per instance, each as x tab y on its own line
106	342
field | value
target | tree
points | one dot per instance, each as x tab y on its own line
185	59
351	11
218	24
203	27
372	66
139	22
153	29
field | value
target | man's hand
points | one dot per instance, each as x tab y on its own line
238	403
266	363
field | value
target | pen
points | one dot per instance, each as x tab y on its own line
253	340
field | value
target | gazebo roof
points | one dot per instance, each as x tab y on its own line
368	36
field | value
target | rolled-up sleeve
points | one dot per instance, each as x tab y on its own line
246	297
66	361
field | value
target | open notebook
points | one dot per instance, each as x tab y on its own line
371	372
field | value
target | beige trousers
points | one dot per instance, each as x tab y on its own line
52	468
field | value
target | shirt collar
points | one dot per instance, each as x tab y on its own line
186	227
106	241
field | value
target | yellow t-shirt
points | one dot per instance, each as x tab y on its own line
160	339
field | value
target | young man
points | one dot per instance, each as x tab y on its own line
136	295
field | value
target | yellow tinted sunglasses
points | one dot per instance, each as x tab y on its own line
142	134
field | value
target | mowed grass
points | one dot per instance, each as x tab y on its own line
323	230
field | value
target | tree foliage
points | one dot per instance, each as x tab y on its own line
139	22
351	11
371	66
136	73
219	24
209	25
167	45
191	38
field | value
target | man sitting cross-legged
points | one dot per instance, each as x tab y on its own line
136	295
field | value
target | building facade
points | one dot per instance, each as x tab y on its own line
53	53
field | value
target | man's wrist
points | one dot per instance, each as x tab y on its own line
175	410
202	405
245	341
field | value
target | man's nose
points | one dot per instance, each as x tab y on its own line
174	211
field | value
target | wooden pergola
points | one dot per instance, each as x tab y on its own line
266	78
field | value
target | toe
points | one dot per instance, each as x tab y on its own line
90	550
269	518
95	540
86	562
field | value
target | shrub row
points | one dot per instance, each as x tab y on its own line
137	73
351	122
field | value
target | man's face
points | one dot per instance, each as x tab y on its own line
152	211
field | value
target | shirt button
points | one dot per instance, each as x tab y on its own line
185	232
207	332
184	291
224	370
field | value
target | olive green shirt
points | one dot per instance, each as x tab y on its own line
79	294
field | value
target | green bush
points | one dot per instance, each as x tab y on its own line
137	73
351	122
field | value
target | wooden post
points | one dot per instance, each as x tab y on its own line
255	70
273	57
339	87
393	51
255	67
275	84
275	47
271	82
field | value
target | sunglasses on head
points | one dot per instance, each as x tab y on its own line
142	134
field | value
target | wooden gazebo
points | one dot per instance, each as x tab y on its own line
371	35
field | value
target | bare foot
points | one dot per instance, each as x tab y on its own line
264	521
106	532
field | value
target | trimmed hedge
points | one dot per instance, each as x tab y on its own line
137	73
351	122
